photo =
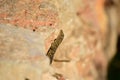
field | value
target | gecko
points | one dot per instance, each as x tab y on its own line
54	46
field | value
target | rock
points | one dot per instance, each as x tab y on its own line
22	54
83	23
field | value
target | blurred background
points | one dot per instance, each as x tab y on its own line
91	43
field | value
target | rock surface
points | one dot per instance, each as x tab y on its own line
22	54
32	25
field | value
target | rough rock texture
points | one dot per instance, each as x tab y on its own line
22	51
22	54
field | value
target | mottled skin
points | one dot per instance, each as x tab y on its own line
54	46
